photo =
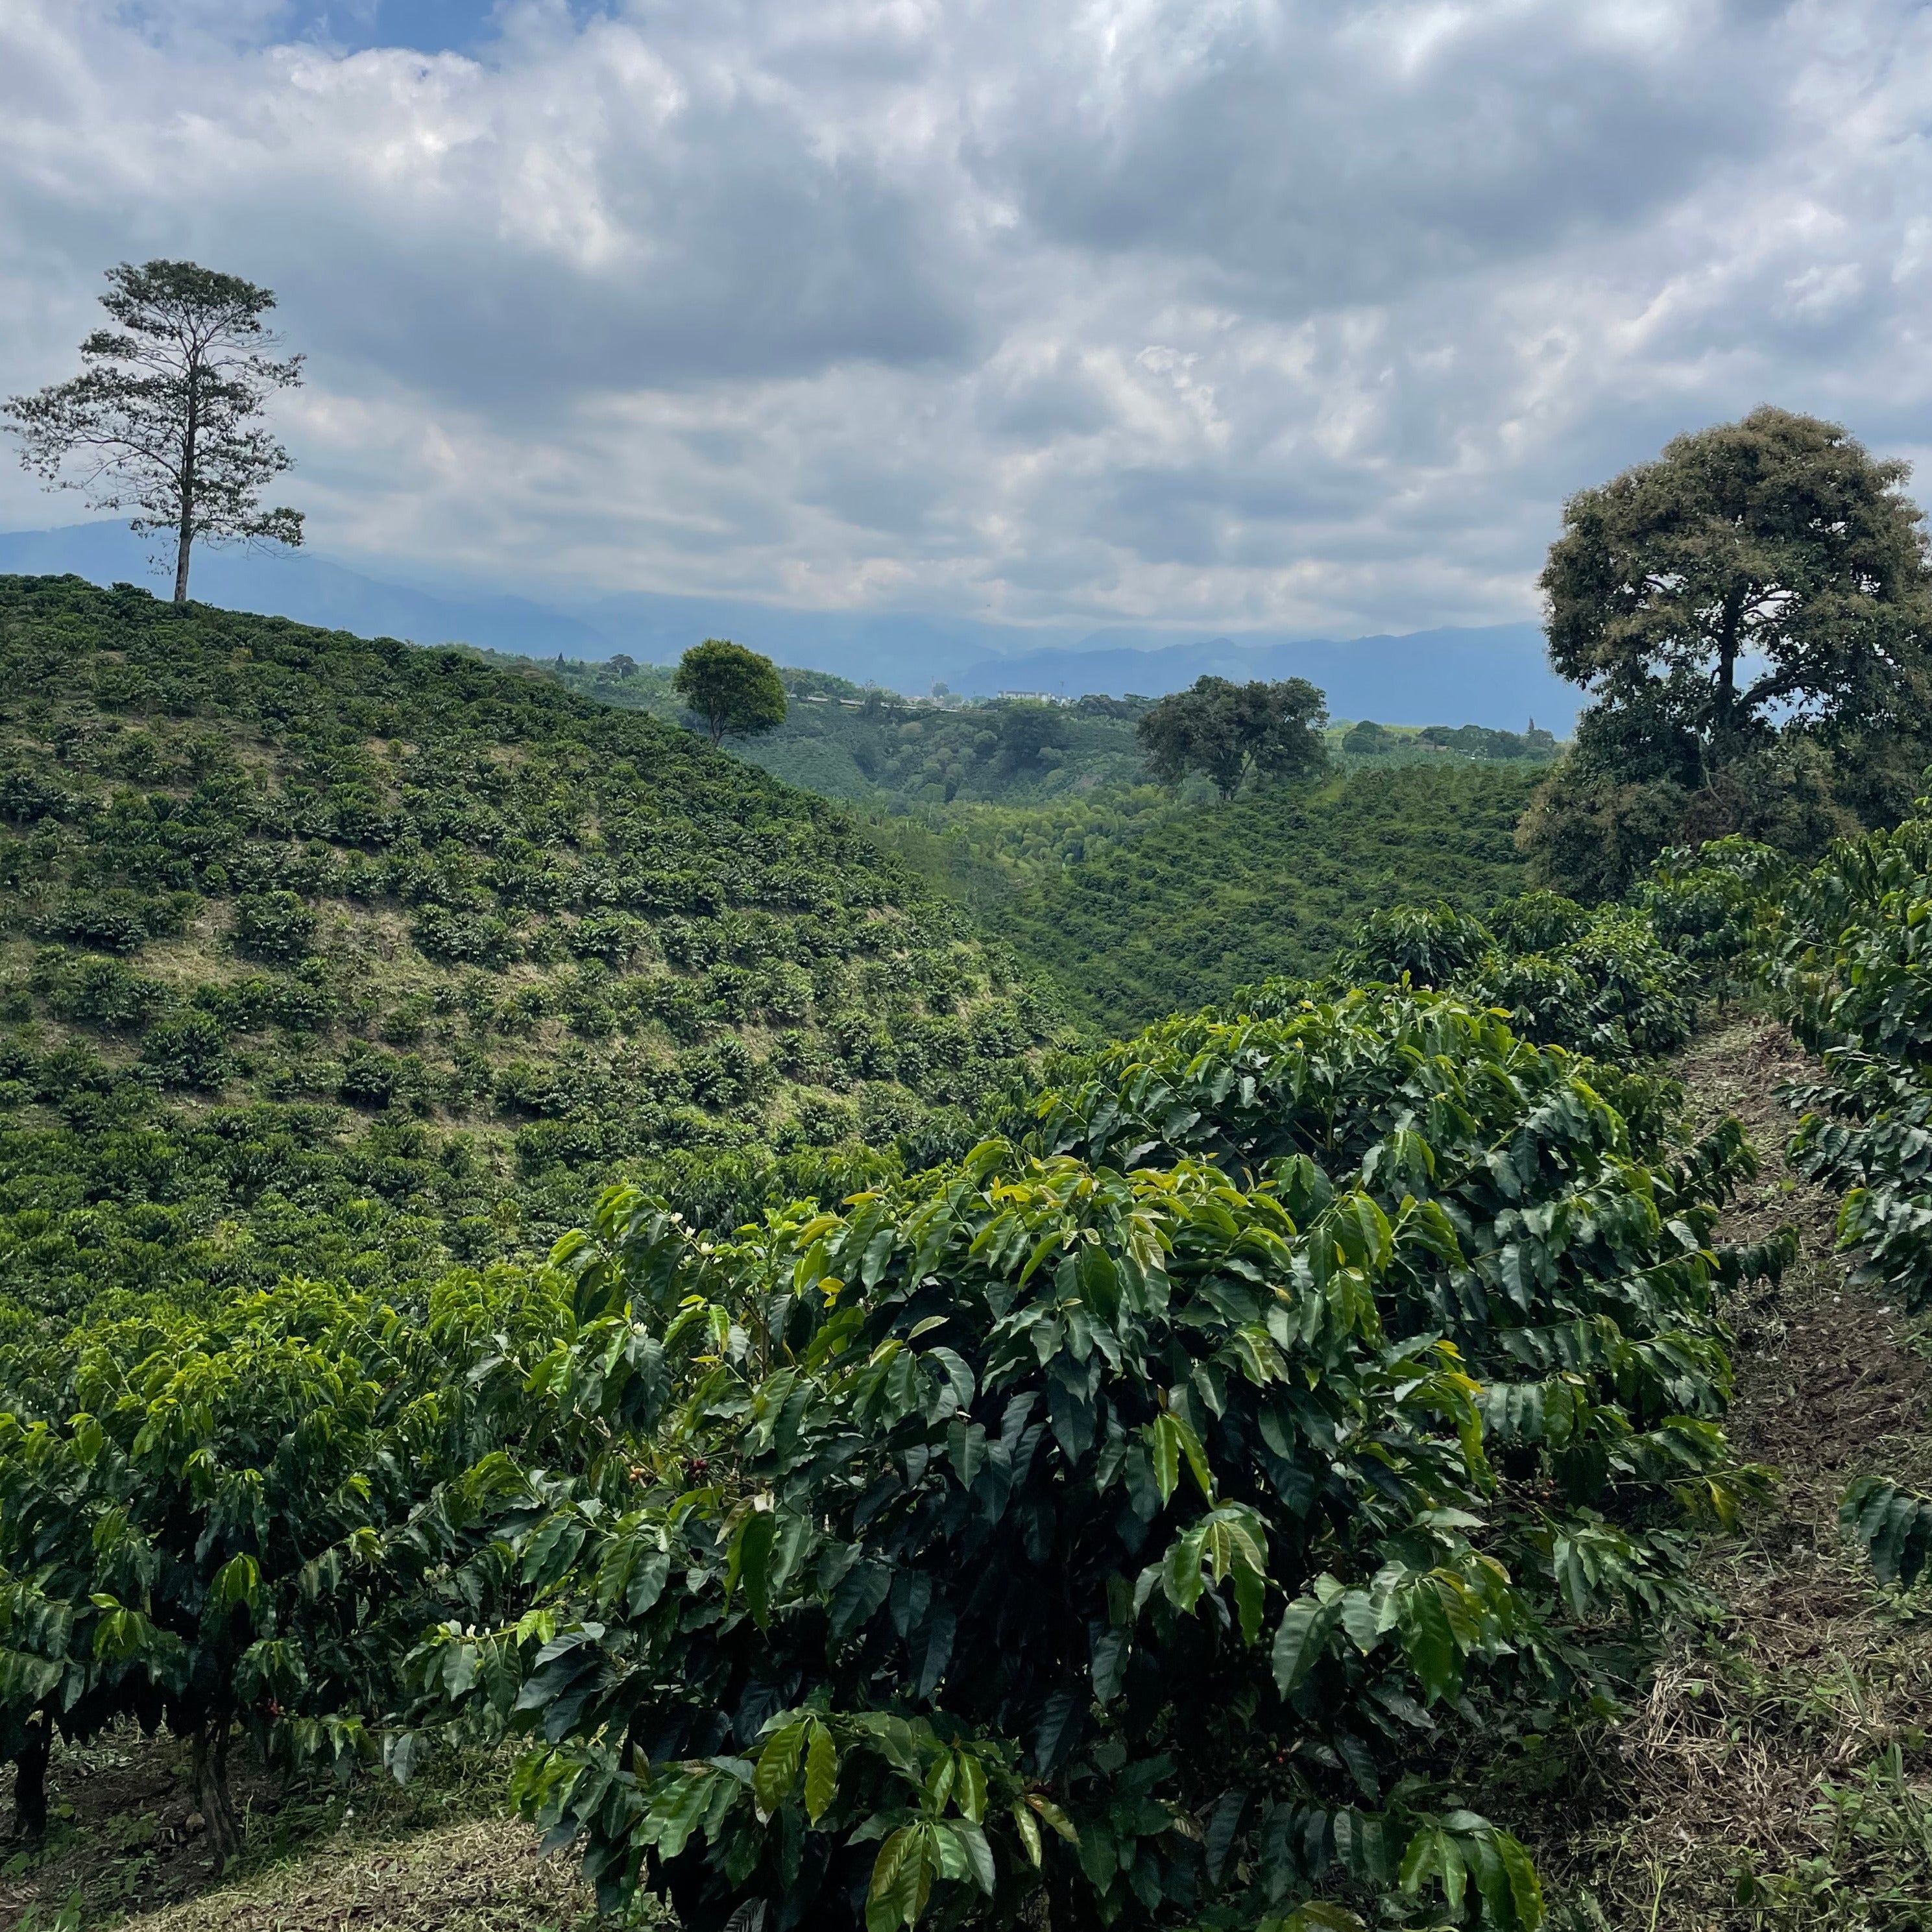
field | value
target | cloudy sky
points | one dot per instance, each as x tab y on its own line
1296	314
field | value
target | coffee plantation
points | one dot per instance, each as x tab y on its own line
346	958
520	1230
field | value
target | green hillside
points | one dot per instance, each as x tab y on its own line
869	745
875	748
348	959
1217	897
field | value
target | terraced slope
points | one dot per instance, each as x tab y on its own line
1219	897
334	955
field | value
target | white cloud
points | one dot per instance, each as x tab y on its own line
1293	312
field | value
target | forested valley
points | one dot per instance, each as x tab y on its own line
1292	1337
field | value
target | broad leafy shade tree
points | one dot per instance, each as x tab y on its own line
1758	570
1028	729
1749	613
165	417
735	691
1226	730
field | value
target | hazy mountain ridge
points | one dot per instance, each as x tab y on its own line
1495	675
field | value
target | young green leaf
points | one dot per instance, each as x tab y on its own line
778	1768
821	1771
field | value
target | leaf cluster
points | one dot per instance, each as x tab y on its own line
1842	948
1602	982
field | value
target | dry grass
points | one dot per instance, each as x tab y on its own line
1773	1770
481	1875
127	1839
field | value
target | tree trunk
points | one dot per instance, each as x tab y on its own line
30	1780
184	529
1727	665
211	1790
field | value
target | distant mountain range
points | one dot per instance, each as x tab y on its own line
1496	675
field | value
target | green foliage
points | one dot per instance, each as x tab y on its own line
205	1519
1203	902
1893	1525
1386	746
999	1531
386	958
118	919
1608	811
983	855
1749	613
734	691
877	748
1598	982
1776	542
1225	731
1027	731
921	1497
277	926
1428	944
1705	903
1538	922
1481	741
1843	950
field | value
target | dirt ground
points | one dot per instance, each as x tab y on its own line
125	1839
1774	1771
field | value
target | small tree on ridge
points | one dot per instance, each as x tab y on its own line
1226	731
733	691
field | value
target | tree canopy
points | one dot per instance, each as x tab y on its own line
1760	570
1750	614
164	418
1226	730
735	691
1028	730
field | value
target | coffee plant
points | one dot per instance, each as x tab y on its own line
1602	982
241	1519
1893	1525
1842	949
1126	1516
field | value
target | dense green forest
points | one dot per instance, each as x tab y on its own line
349	959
